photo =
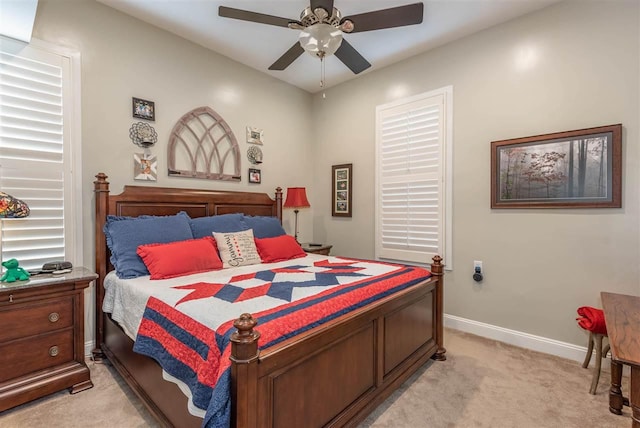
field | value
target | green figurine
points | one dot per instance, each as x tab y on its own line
14	272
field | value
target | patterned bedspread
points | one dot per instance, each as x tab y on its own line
294	296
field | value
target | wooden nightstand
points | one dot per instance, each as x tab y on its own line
42	336
317	249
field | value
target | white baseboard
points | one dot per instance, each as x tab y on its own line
517	338
88	347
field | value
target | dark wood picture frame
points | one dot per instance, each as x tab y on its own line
571	169
342	190
143	109
255	176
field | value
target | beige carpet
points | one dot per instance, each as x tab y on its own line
483	383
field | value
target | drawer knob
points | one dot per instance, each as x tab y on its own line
53	351
54	316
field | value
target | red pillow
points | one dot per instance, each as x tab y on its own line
279	249
180	257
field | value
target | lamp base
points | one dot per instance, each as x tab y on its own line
296	231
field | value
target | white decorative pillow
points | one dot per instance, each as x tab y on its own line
237	248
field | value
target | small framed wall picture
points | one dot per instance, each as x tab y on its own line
341	191
143	109
145	167
254	135
254	176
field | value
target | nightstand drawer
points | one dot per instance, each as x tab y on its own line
35	353
41	317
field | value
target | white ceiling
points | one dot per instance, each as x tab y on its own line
259	45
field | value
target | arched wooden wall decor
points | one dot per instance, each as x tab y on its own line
202	145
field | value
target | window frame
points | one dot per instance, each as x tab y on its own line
72	149
446	171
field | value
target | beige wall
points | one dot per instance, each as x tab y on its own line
540	265
123	57
570	66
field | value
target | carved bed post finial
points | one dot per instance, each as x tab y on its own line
436	266
437	270
245	335
244	376
101	194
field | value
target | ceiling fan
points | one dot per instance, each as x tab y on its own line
322	26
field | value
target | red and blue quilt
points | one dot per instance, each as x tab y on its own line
294	298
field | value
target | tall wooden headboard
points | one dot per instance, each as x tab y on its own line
144	200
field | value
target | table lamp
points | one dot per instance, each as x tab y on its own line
296	198
10	208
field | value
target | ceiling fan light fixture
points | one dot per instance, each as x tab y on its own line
320	39
321	13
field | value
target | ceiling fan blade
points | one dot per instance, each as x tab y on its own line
245	15
289	56
325	4
387	18
351	58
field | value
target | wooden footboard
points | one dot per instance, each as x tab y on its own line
332	375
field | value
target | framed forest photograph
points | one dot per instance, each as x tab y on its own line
341	193
571	169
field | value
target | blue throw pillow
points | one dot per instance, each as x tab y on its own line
125	234
225	223
264	227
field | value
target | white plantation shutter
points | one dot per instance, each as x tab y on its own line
410	191
35	154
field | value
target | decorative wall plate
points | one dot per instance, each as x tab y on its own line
143	135
254	154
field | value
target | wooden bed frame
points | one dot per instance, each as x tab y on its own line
333	375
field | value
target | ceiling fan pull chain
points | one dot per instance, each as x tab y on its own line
322	75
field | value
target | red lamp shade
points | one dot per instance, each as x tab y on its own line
296	198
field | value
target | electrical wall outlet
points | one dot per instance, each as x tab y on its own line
477	266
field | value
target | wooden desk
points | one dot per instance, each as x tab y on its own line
622	315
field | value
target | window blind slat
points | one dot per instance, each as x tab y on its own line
30	104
